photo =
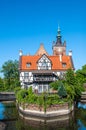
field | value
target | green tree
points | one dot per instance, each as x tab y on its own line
55	85
61	90
11	74
74	88
21	95
70	77
1	84
81	75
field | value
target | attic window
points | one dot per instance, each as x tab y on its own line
64	65
28	65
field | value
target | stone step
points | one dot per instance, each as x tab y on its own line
84	93
83	96
84	101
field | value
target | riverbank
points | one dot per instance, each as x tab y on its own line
72	121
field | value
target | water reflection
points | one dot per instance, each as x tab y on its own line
2	109
73	121
81	105
81	126
8	115
81	116
60	123
8	111
39	125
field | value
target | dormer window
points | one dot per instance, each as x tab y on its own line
44	63
28	65
64	65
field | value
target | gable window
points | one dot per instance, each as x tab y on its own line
44	63
28	65
64	65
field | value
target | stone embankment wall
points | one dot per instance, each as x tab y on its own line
7	96
35	107
51	111
58	107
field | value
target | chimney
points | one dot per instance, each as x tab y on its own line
70	53
20	53
60	57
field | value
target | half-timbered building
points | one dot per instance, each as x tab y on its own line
41	69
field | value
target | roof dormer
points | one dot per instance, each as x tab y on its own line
44	63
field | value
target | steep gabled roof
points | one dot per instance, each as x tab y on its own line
44	55
41	50
56	63
29	59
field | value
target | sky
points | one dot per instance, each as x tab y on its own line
24	24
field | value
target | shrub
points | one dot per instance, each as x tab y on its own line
21	95
61	90
40	100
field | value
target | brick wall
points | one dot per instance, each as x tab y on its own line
57	107
36	107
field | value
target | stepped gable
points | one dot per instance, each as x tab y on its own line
41	50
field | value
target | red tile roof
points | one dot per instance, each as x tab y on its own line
56	64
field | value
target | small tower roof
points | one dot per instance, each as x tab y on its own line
58	31
59	42
41	50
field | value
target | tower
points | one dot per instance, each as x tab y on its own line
59	48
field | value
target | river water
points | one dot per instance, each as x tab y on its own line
10	120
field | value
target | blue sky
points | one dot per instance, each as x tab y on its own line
24	24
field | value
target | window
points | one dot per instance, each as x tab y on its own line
44	65
26	74
28	65
64	65
44	88
40	88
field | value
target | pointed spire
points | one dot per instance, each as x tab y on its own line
59	31
59	42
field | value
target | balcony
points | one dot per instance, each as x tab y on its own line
44	79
